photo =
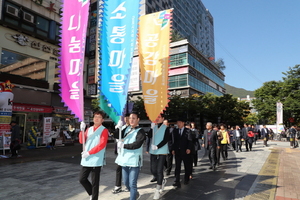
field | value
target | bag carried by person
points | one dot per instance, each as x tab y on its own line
250	134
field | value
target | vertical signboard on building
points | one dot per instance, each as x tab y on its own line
1	9
47	127
6	99
134	83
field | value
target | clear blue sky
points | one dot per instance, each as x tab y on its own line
258	39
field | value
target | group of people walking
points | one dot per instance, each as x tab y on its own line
164	143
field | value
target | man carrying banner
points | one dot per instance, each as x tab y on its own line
118	185
130	155
93	157
159	138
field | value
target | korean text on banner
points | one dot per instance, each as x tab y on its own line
118	40
73	36
154	49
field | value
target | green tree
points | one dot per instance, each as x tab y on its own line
176	36
220	64
252	118
265	102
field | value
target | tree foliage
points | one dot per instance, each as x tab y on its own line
285	91
220	64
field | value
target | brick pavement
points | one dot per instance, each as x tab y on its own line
288	176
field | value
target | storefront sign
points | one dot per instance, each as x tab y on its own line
17	107
25	41
61	110
92	89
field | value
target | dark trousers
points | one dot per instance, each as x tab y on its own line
218	155
53	140
157	167
265	141
224	151
212	155
238	144
247	144
118	176
195	158
186	158
250	142
169	162
92	188
14	146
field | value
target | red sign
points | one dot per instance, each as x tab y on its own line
177	71
18	107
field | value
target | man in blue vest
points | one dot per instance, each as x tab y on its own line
158	145
93	156
130	155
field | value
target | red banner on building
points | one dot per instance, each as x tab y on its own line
18	107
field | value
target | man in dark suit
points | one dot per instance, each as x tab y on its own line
265	135
181	148
211	143
237	135
245	136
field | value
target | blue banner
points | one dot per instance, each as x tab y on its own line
117	42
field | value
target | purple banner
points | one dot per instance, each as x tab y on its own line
73	36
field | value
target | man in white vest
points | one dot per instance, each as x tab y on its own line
159	149
130	155
93	156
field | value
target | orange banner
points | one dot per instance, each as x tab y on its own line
154	50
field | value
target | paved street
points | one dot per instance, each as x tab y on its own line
53	175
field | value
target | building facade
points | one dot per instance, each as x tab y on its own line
190	73
191	20
29	35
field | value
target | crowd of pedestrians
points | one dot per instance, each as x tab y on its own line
164	143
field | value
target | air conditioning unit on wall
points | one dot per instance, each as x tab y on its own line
12	10
28	17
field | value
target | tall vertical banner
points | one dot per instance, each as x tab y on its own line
47	128
73	35
154	50
6	101
279	117
279	111
117	42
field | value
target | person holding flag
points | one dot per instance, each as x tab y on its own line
94	142
130	154
118	185
159	149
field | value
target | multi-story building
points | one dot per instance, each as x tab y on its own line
191	20
191	67
29	35
190	73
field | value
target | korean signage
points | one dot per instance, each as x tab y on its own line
118	40
154	51
47	127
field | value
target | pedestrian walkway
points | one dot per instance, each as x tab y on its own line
264	173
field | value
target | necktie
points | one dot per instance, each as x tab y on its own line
180	131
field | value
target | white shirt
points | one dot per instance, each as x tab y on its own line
238	133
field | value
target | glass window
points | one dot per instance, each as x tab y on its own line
42	23
11	21
22	65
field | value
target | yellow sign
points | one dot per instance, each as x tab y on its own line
154	50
